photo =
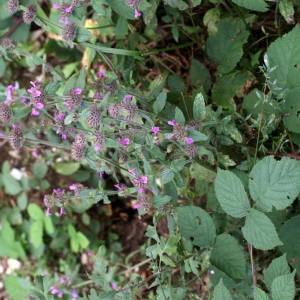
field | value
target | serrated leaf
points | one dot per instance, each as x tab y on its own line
160	102
161	200
200	172
195	223
196	135
71	83
257	5
21	112
226	47
52	88
199	111
200	76
287	72
274	183
231	194
35	212
259	294
291	118
167	176
283	287
259	231
227	255
80	83
289	235
215	275
221	292
83	35
278	267
36	233
122	9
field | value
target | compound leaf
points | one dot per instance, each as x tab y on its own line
221	292
196	223
283	287
259	231
278	267
274	183
231	194
227	255
226	47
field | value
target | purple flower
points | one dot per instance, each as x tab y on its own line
136	206
23	100
101	174
126	141
172	123
48	213
73	186
170	136
98	95
35	154
60	116
62	212
36	93
35	112
189	140
101	74
9	90
64	20
63	136
137	13
131	171
74	294
144	179
113	286
62	280
39	105
141	190
69	9
121	188
77	91
155	130
97	148
54	290
128	97
56	6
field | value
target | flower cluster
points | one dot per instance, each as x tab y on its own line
30	13
17	137
8	44
12	6
58	289
134	4
79	146
74	99
37	98
5	113
58	196
59	119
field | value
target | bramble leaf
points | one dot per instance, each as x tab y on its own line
257	5
259	294
274	183
259	231
283	287
231	194
221	292
196	224
227	255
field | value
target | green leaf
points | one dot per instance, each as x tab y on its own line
274	183
35	212
200	172
199	111
291	118
259	294
11	185
167	176
289	235
39	170
221	292
199	75
80	83
36	233
21	112
83	35
286	9
22	200
180	4
196	135
70	84
278	267
160	102
82	239
49	225
195	223
179	117
231	194
66	168
122	9
215	275
161	200
121	28
230	85
52	88
226	47
227	255
283	287
17	288
257	5
259	231
287	71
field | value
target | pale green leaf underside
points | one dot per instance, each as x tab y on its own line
283	287
259	294
231	194
274	183
287	72
278	267
196	223
259	231
228	256
257	5
221	292
226	47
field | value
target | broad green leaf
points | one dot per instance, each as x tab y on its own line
196	135
221	292
36	233
195	223
71	83
179	117
199	75
161	200
121	28
83	34
274	183
160	102
49	225
257	5
80	83
227	255
226	47
122	9
200	172
199	111
35	212
22	200
167	176
177	87
11	185
291	117
82	239
231	194
215	275
230	85
52	88
17	288
21	112
39	170
259	294
259	231
180	4
289	235
286	9
287	71
66	168
283	287
211	19
278	267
